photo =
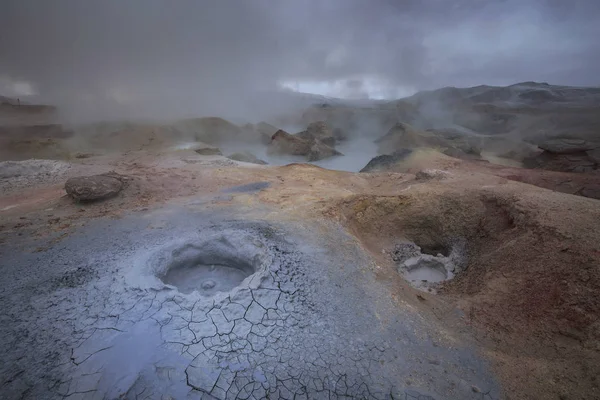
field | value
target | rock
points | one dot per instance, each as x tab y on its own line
247	157
386	161
206	150
95	187
285	143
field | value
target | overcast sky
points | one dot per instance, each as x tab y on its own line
207	53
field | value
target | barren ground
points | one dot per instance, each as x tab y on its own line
520	322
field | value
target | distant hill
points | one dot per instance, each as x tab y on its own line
524	94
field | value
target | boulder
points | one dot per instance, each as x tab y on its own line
285	143
95	187
247	157
386	161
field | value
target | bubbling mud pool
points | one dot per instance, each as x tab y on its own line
220	263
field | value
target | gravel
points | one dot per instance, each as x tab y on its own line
22	174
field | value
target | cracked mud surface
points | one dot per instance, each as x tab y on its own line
92	321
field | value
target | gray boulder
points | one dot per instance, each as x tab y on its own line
95	187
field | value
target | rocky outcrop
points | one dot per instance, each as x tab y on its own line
567	155
296	145
285	143
95	187
386	161
247	157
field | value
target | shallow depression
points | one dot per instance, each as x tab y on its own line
219	263
206	279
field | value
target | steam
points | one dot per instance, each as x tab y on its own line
158	59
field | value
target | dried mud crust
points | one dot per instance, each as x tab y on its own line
113	329
531	280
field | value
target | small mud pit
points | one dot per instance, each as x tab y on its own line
218	264
424	270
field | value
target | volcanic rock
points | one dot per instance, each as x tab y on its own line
95	187
285	143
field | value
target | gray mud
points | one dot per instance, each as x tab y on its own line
425	271
91	319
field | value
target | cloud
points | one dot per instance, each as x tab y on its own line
158	57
